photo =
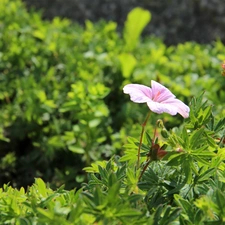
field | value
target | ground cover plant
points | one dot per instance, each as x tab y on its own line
65	121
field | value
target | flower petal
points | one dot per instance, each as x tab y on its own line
171	106
182	109
158	98
138	93
162	108
160	93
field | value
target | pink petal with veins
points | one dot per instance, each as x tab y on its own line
162	108
160	93
158	98
138	93
182	109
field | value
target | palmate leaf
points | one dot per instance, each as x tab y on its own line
207	206
174	140
205	175
149	178
168	216
220	125
175	159
109	206
186	206
149	139
196	138
204	115
130	155
220	202
103	174
131	151
95	166
197	104
188	167
128	213
200	113
185	138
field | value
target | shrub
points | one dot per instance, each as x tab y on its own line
185	187
61	101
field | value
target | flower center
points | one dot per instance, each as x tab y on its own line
156	96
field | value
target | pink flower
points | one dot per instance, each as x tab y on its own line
158	98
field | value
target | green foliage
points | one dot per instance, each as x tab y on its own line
62	109
185	187
136	21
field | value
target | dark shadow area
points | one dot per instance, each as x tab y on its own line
175	21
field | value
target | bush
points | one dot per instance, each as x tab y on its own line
61	100
185	187
64	118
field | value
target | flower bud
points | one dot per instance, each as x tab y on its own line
160	123
164	133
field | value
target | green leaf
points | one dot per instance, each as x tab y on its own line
205	176
130	155
103	173
176	159
195	138
149	139
186	166
41	186
220	197
113	193
206	114
136	21
45	213
185	137
220	125
76	149
184	204
128	213
128	63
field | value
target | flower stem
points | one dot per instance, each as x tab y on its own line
141	138
145	167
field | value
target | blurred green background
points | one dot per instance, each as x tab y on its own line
61	99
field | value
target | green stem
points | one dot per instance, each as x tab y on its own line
141	138
145	167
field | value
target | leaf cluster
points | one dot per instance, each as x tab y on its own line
61	100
